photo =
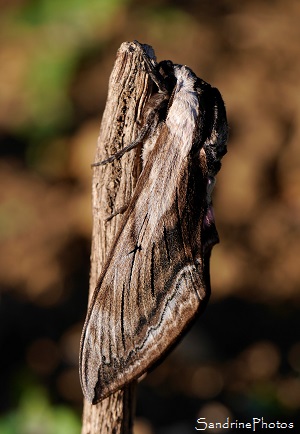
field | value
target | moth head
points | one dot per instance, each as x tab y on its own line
166	71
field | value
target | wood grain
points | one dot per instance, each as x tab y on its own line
112	188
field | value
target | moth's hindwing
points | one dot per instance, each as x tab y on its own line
156	277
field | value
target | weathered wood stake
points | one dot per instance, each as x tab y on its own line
113	186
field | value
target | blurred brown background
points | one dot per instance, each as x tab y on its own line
242	357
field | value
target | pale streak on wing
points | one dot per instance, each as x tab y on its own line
181	123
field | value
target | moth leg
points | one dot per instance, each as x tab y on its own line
142	134
117	212
155	75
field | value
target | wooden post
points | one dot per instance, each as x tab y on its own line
113	186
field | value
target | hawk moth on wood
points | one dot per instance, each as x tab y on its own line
156	277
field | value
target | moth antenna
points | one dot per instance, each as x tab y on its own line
143	133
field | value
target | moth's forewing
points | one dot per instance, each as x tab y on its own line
157	277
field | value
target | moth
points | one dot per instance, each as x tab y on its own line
156	278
